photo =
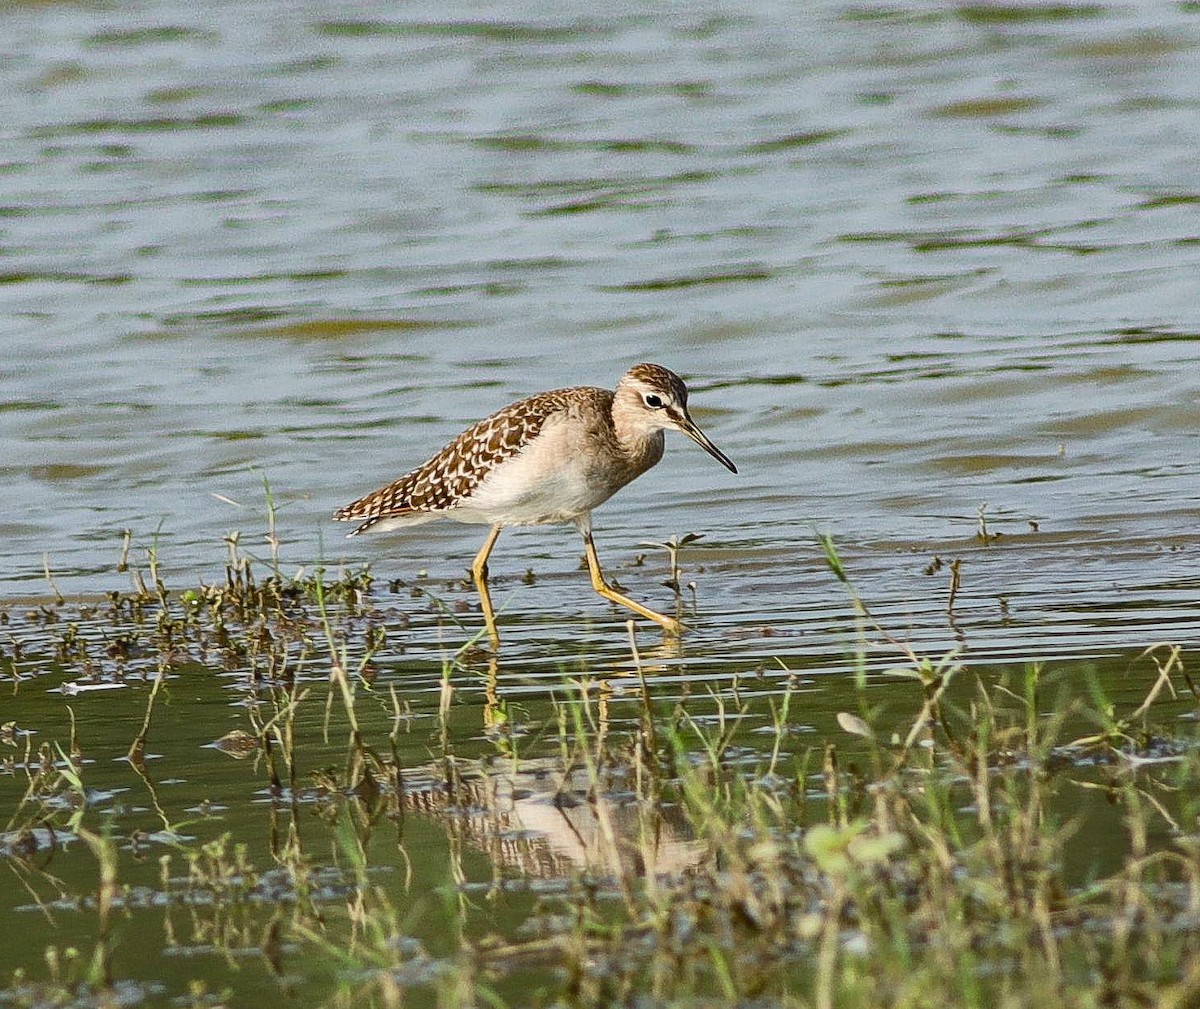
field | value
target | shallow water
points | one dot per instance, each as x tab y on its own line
486	826
912	260
930	272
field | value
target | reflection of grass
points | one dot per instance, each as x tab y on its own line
661	857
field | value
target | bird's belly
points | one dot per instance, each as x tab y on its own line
535	490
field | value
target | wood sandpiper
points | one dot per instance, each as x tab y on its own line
547	459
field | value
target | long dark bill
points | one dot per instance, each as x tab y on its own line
688	427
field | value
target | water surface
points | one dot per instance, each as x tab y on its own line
912	260
929	270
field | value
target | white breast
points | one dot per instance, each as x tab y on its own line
555	478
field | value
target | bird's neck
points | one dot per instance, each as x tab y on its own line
642	447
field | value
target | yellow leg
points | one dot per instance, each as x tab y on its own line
668	624
479	573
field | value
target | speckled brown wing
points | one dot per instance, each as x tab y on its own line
450	476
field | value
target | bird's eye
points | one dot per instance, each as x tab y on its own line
653	401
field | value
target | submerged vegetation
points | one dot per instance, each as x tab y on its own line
975	837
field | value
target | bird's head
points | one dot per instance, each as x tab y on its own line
652	398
